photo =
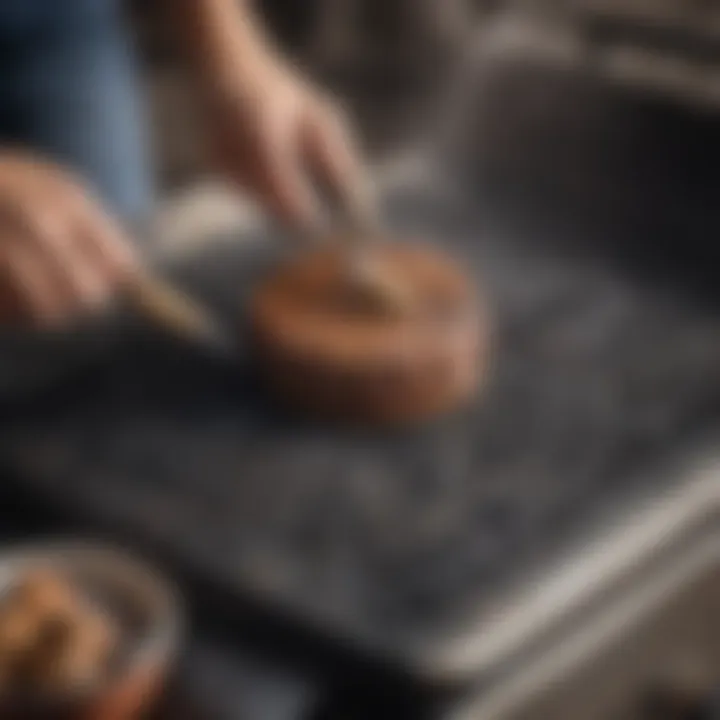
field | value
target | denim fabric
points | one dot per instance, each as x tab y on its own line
67	91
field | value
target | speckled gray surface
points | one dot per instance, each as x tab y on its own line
395	540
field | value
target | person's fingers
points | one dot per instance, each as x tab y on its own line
105	247
333	156
55	236
287	186
34	286
59	255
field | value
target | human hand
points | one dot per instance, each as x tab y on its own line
60	254
277	136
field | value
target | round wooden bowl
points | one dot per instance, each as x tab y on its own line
148	613
323	349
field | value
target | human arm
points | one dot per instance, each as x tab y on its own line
272	131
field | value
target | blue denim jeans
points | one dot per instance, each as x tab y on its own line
68	92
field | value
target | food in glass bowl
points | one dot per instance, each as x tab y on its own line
86	633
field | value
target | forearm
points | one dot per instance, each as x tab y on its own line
213	31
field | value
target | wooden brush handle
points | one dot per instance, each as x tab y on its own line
165	305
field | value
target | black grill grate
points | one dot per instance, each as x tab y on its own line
398	540
393	537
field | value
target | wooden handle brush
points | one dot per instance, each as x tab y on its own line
171	308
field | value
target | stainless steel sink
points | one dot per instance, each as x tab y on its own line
654	652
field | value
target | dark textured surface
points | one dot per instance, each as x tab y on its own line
216	683
598	372
214	680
